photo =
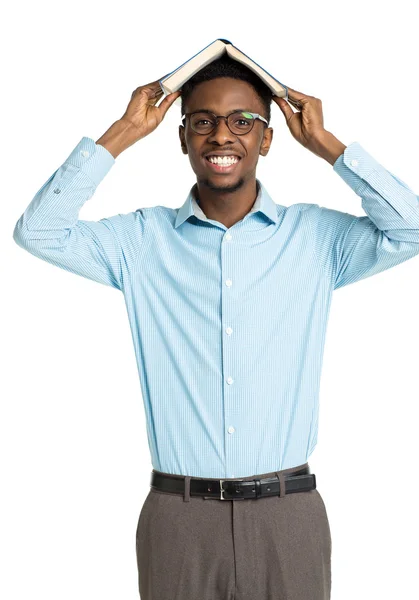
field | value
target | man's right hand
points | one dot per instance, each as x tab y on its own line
141	111
140	118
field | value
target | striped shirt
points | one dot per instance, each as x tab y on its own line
228	324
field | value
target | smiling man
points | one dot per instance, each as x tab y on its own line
228	298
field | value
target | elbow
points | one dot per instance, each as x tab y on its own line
18	236
21	235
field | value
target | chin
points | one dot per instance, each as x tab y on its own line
224	183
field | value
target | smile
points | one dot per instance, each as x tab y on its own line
219	168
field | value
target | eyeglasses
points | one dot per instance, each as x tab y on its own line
238	122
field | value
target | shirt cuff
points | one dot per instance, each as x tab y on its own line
92	159
354	166
360	170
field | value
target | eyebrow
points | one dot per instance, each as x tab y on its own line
205	110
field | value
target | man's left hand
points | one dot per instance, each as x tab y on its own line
306	126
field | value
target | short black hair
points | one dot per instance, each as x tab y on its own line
225	66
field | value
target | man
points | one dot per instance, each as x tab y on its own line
228	299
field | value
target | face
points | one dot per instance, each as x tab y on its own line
222	96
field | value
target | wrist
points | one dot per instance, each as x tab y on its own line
327	146
120	136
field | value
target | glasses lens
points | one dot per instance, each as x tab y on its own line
202	122
239	122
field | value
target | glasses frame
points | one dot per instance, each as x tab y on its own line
218	117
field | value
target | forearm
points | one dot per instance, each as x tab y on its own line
120	136
54	210
50	227
327	146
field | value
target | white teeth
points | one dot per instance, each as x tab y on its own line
225	160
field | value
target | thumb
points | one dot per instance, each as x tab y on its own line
168	101
285	107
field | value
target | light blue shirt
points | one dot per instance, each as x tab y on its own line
228	324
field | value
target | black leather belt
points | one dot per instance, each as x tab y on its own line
235	489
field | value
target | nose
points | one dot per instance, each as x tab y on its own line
221	131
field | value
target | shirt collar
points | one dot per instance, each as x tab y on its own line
263	203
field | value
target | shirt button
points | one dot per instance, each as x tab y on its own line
228	236
354	162
84	153
229	330
231	430
230	380
229	283
57	191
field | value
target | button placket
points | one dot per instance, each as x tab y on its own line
228	349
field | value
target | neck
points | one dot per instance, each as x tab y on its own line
226	206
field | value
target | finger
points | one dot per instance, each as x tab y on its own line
152	89
285	107
296	95
297	103
168	101
155	85
297	99
149	89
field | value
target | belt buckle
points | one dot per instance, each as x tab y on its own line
222	490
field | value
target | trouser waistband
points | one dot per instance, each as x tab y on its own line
273	483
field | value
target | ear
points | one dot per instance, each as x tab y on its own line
266	141
182	139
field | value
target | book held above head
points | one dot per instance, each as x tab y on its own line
174	80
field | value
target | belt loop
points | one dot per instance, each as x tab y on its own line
281	478
187	492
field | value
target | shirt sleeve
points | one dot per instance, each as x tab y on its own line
352	248
50	229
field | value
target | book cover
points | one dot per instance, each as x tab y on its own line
174	80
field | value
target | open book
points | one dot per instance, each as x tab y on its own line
173	81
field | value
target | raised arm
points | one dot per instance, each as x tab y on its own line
50	227
351	248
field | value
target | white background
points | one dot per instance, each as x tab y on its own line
75	463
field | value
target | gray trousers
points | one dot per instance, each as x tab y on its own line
272	548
